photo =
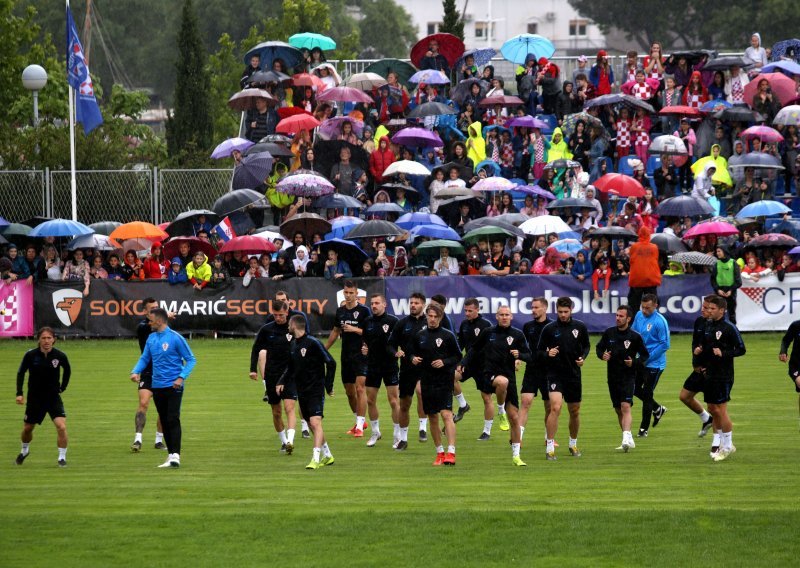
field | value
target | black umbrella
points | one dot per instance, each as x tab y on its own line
693	56
515	219
431	109
493	222
104	227
184	222
374	229
16	232
464	172
326	154
237	199
668	243
253	171
263	77
759	160
277	138
560	164
337	201
275	149
683	206
739	114
725	63
461	91
348	251
36	221
411	192
569	203
306	223
613	232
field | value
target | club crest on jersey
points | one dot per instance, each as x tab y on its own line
439	342
626	344
477	332
303	352
552	386
355	315
288	337
718	335
55	363
165	346
575	333
649	327
509	340
386	328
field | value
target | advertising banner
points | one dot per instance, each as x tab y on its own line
16	309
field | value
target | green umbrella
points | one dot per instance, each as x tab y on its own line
15	231
432	247
310	40
486	233
403	69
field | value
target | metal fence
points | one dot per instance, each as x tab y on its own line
24	194
181	190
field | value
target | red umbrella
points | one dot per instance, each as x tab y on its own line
307	80
248	245
296	123
344	94
449	45
782	87
172	248
680	110
619	184
505	100
286	112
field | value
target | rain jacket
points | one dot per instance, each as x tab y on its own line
276	198
726	274
199	274
550	263
177	277
476	145
379	160
702	183
644	272
675	269
559	149
582	268
152	267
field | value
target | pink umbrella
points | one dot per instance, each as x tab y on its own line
505	100
332	127
763	133
493	184
344	94
719	228
782	86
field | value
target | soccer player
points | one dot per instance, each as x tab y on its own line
172	361
143	331
381	366
792	338
620	347
399	343
721	343
654	329
269	357
48	376
351	318
566	344
309	373
447	324
695	381
503	348
468	332
534	378
434	352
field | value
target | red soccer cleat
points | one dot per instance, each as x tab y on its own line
352	430
358	433
449	459
439	459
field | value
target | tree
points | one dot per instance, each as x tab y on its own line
189	127
386	28
17	33
452	23
225	71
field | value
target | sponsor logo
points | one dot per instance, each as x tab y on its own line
288	337
67	305
438	342
303	352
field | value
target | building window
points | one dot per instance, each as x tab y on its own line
533	27
482	30
577	27
433	27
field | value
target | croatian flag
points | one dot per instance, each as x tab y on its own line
225	230
78	77
16	309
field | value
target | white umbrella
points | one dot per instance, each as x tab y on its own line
407	167
365	81
95	241
668	144
271	236
788	115
543	225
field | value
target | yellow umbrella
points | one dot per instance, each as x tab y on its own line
721	176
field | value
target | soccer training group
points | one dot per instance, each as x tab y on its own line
434	360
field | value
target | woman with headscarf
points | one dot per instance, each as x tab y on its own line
755	52
301	259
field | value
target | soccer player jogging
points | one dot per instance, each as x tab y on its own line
270	356
48	376
399	343
566	344
503	348
695	382
143	331
434	352
468	332
620	347
446	323
172	361
792	339
721	344
381	366
350	321
309	373
654	329
534	379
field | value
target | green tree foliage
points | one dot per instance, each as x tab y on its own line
386	28
452	22
224	68
18	33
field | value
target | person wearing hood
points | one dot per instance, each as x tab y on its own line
755	52
156	266
675	269
703	187
580	144
695	93
645	273
301	259
381	159
476	145
582	269
558	147
726	279
177	272
548	79
737	173
132	268
198	272
550	263
567	102
278	200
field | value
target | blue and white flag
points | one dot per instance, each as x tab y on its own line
78	77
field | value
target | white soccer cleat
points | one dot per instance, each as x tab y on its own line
395	442
173	460
373	439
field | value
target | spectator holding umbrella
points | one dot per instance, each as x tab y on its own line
255	65
336	269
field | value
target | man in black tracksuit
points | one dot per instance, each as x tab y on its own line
534	379
468	332
792	339
695	382
566	344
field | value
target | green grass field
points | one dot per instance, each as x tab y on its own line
236	501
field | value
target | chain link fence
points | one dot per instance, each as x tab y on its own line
23	194
105	195
182	190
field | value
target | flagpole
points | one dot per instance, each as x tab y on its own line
72	184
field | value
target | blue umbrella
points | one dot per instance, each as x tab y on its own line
715	105
411	220
491	167
310	40
481	56
567	246
342	225
763	208
433	232
782	47
60	228
518	47
272	50
4	223
785	67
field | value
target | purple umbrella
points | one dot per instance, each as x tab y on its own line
225	148
429	77
534	190
253	170
527	121
306	184
494	183
417	137
332	127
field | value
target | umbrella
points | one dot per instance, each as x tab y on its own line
683	206
298	122
348	251
614	232
431	109
36	221
328	152
569	122
286	112
759	160
504	100
411	192
434	246
561	164
725	63
338	201
138	230
526	121
784	47
429	77
365	81
411	220
224	149
679	110
693	56
534	190
433	232
253	170
275	149
568	247
383	208
518	47
246	100
480	57
345	94
668	243
772	240
764	133
787	67
93	241
782	87
15	230
715	105
450	47
569	203
486	233
332	127
668	144
138	244
3	223
184	222
465	172
619	184
172	247
104	227
272	236
515	219
603	100
340	226
494	222
310	40
60	228
306	223
692	257
264	77
374	229
451	192
417	137
308	80
739	114
236	200
788	115
271	50
718	228
306	184
461	91
543	225
636	103
493	184
248	244
407	167
764	208
383	67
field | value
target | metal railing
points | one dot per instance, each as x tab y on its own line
24	194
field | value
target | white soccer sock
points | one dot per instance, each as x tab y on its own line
355	417
451	449
137	437
439	449
326	451
704	416
304	425
521	432
727	440
404	434
515	450
290	436
626	435
360	422
551	446
462	400
396	432
282	436
159	437
573	442
375	425
717	437
315	454
423	424
487	426
26	448
62	453
501	408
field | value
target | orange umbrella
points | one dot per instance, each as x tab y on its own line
138	230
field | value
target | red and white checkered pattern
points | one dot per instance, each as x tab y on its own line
642	137
9	308
624	134
693	100
755	294
643	91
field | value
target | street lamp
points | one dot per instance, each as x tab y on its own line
34	78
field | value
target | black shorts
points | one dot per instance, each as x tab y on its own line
289	391
36	409
352	367
570	389
717	391
533	385
794	374
621	391
695	382
408	382
146	382
311	405
437	397
376	376
512	398
469	373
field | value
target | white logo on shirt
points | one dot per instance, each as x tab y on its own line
355	315
718	335
477	332
509	340
303	352
626	344
439	342
649	326
165	346
288	337
55	363
386	328
575	333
